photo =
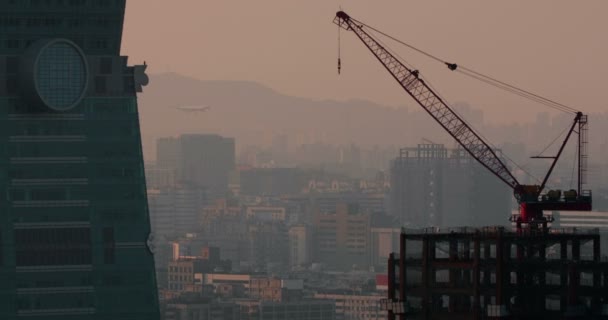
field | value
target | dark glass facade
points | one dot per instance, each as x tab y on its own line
74	219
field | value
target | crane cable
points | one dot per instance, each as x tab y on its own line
481	77
447	102
576	153
486	140
517	91
488	80
554	140
339	53
475	75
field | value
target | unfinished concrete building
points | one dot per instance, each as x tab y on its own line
492	273
432	185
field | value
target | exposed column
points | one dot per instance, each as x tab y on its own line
596	249
487	271
476	276
574	279
564	274
391	284
605	285
542	254
432	248
500	276
453	273
425	279
597	275
520	259
576	250
573	284
402	272
466	280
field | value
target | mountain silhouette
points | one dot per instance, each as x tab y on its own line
254	114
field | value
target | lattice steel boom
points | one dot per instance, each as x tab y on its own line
431	102
532	202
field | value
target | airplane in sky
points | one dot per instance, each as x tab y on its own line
193	108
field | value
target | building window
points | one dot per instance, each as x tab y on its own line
76	3
108	246
100	85
61	246
47	194
75	23
12	85
12	65
129	84
100	43
102	3
12	44
105	66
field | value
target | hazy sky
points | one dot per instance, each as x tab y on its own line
556	48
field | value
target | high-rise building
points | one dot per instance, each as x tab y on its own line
167	153
74	220
230	233
204	160
341	238
300	246
268	245
435	186
175	211
207	160
383	242
160	178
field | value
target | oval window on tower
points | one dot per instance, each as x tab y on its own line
60	75
57	75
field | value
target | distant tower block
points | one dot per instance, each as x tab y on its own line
74	222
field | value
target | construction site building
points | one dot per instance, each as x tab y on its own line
494	273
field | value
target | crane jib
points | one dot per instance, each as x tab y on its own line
431	102
532	203
409	81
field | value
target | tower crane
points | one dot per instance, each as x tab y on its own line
532	199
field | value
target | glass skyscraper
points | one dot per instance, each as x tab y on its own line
74	224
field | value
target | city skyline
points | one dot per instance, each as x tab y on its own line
273	169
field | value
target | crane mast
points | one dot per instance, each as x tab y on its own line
529	197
